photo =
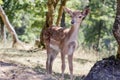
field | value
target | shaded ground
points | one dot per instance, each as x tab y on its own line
30	65
10	71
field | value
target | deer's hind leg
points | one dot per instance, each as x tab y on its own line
63	66
51	55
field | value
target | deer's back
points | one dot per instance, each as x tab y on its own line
55	34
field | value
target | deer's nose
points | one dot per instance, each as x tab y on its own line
72	22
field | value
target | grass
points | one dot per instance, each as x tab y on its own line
82	62
36	60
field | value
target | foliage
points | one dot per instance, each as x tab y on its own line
1	2
26	14
95	32
99	25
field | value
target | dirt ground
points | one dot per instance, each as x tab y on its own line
30	65
10	71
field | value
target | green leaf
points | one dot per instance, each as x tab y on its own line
21	1
1	2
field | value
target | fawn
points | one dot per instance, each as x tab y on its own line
58	39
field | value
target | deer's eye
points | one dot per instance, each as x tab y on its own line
80	16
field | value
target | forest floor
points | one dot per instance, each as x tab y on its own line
30	65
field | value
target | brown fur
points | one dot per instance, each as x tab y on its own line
58	39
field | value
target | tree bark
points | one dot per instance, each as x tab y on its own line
8	26
116	28
99	34
60	12
50	13
41	44
55	3
51	4
62	24
3	33
50	16
49	20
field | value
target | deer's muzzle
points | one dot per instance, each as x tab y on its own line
72	22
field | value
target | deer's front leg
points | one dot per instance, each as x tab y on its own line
63	64
71	49
70	59
47	64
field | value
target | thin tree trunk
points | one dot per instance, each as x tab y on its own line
51	4
3	33
63	20
99	34
48	21
41	35
116	28
55	3
9	26
50	13
60	12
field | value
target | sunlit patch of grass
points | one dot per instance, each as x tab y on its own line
82	62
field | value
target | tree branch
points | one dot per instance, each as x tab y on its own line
60	12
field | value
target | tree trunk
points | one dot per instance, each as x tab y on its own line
41	44
63	20
60	12
50	16
116	27
50	13
3	33
99	34
55	3
51	4
9	26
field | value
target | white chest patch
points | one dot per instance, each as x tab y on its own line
55	47
72	47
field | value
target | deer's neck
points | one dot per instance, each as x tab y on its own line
74	30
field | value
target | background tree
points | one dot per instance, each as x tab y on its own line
116	28
28	17
52	4
9	26
3	33
99	25
2	29
60	12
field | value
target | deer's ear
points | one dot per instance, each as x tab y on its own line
67	10
86	11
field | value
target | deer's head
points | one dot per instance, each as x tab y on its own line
77	16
